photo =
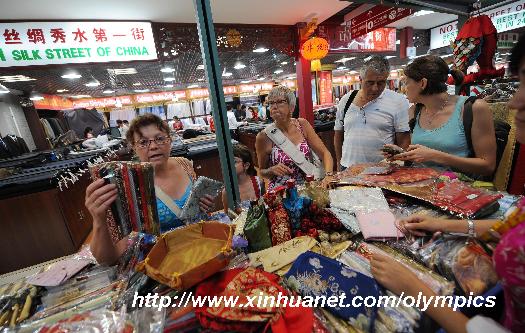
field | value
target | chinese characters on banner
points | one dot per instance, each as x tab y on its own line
376	17
325	87
43	43
379	40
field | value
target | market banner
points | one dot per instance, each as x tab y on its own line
376	17
505	18
325	87
340	40
102	102
53	102
51	43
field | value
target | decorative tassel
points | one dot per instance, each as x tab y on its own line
315	65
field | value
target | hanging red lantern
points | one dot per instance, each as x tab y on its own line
314	49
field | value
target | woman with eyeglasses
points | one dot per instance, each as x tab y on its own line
151	141
438	136
274	163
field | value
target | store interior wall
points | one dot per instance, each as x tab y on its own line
13	120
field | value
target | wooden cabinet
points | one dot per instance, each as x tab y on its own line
42	226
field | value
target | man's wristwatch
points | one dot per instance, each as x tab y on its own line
329	173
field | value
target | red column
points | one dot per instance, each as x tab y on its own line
406	38
518	176
304	79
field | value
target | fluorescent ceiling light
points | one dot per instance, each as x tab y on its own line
15	78
4	90
278	71
200	67
62	90
93	83
141	90
422	13
123	71
260	50
169	86
390	57
71	76
201	79
367	58
108	91
246	81
167	70
341	68
353	72
137	84
345	59
169	79
36	96
239	66
81	96
284	63
260	79
398	42
227	74
193	86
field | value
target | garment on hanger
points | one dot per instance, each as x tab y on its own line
179	109
15	145
78	120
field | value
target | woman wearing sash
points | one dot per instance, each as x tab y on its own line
174	178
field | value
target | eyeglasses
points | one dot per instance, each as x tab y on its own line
159	141
277	103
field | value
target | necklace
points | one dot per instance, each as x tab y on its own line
431	119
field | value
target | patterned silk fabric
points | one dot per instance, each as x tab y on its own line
278	217
244	283
315	275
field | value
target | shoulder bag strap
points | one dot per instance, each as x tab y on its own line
417	111
256	188
349	102
281	141
168	201
468	118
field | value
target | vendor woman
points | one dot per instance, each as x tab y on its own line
508	257
438	137
151	141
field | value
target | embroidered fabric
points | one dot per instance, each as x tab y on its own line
316	275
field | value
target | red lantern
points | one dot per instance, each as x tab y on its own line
314	49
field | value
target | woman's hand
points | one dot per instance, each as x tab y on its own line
391	150
418	154
207	203
99	198
280	170
327	181
388	271
419	225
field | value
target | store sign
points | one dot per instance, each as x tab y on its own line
53	102
230	90
158	97
504	18
507	40
255	88
345	79
380	40
376	17
45	43
101	102
325	87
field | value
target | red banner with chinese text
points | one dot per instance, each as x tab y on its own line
374	18
325	87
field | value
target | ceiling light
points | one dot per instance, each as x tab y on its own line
4	90
169	79
137	84
398	42
108	91
71	75
167	70
284	63
193	86
353	72
260	79
123	71
201	79
260	50
246	81
15	78
367	58
168	86
227	74
35	96
92	83
422	13
278	71
390	57
200	67
141	90
345	59
341	68
81	96
239	66
290	78
62	90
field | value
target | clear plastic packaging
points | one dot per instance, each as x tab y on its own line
358	200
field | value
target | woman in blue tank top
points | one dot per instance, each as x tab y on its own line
438	138
174	177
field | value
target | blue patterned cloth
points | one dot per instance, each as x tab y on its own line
168	220
315	275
